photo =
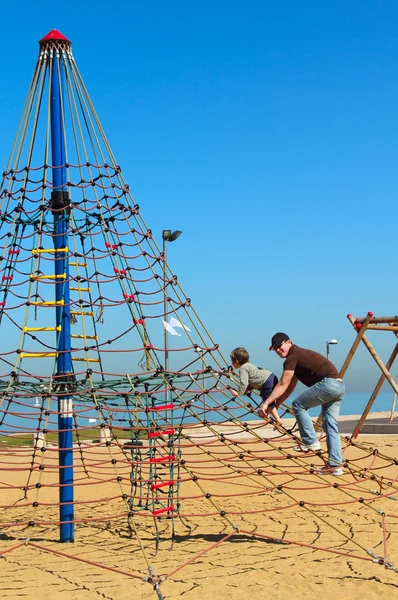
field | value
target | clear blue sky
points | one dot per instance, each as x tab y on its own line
267	132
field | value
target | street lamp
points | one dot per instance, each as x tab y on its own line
200	352
327	346
167	236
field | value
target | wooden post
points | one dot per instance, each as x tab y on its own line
383	327
357	340
389	320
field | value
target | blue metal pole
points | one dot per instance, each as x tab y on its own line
59	198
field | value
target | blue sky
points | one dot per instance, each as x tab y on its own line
267	133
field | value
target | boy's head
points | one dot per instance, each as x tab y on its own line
239	357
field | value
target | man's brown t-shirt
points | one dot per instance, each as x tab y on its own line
309	367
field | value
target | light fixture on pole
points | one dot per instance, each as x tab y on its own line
200	352
167	236
327	346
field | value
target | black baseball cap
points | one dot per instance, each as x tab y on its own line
278	339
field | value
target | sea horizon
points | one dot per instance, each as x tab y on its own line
354	403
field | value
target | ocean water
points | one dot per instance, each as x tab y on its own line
353	404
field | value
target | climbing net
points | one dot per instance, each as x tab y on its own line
161	456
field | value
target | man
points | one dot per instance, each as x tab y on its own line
326	388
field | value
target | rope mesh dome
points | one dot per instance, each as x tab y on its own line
152	451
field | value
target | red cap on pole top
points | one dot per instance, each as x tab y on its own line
54	36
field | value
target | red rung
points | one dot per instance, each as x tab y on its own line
156	486
163	407
159	511
2	303
109	245
161	459
138	321
128	296
7	277
120	271
10	252
152	434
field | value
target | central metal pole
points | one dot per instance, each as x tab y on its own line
59	200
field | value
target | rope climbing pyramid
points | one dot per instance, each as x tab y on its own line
109	426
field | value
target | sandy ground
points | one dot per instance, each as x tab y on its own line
290	561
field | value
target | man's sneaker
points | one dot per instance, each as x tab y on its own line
330	470
311	448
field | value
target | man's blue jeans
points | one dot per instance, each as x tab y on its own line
328	392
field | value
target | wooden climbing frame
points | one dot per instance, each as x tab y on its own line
361	325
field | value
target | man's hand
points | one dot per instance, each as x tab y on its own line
264	409
234	393
281	391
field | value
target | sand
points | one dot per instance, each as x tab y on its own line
332	518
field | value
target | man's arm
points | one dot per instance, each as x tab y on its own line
289	390
281	391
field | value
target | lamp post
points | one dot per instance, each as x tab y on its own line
167	236
200	352
327	346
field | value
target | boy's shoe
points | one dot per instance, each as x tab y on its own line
311	448
330	470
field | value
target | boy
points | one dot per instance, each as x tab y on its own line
253	378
